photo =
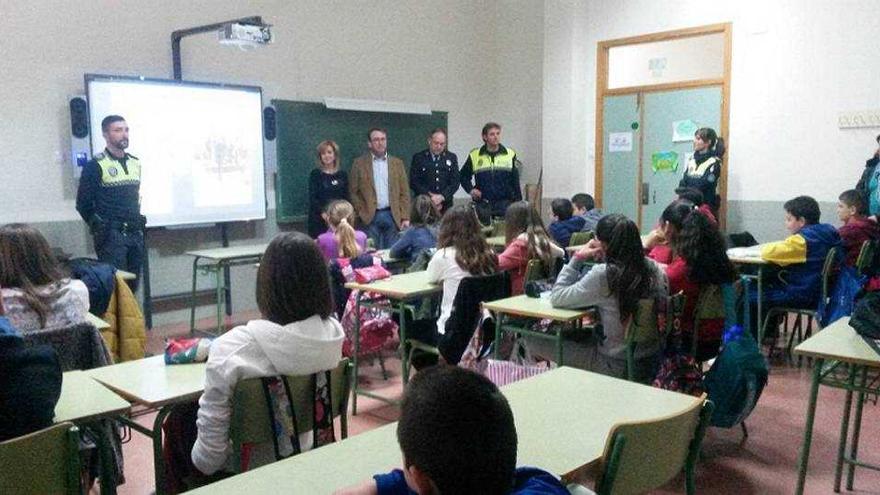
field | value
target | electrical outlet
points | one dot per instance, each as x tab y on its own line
859	119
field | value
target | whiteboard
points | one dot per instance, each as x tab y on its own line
200	146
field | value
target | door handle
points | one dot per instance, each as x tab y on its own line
646	192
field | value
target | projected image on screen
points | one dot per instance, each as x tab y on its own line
200	146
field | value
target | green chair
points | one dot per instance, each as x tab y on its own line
46	461
865	263
498	228
580	238
535	270
711	304
251	422
799	329
641	456
642	329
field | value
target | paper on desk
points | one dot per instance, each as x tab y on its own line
745	252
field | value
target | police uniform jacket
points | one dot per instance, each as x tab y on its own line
494	174
110	188
437	174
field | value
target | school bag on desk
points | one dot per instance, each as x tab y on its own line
736	379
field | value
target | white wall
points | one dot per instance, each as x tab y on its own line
460	56
796	64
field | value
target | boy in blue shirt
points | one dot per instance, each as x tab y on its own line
564	222
457	435
800	256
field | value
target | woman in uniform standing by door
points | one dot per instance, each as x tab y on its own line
704	168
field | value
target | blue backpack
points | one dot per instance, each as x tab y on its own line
736	380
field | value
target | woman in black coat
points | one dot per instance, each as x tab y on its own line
327	183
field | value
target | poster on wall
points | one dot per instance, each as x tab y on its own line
664	161
683	130
619	142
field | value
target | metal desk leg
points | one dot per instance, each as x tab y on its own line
357	351
220	300
857	427
844	427
559	356
499	322
804	457
156	435
760	312
401	333
192	297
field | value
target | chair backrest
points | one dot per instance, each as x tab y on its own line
467	311
535	270
865	261
641	329
79	346
46	461
580	238
251	421
498	227
829	268
643	455
713	303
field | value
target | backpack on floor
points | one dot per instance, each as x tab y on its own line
735	381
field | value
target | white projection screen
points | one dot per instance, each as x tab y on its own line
200	146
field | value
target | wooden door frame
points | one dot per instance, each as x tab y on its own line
602	91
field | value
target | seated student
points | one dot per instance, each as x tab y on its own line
852	210
622	276
696	197
457	435
297	336
341	239
462	251
802	255
30	384
585	207
36	293
699	259
564	223
422	231
526	240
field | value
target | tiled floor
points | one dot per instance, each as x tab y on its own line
763	464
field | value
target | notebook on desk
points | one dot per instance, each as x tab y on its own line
745	252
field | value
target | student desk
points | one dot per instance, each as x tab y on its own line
214	261
752	256
843	360
533	308
562	420
150	383
399	289
83	401
394	265
99	323
498	242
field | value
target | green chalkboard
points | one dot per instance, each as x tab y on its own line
302	125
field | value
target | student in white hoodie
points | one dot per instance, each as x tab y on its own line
297	336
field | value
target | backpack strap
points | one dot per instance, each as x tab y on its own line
285	438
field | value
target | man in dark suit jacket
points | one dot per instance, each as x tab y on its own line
434	171
379	191
30	383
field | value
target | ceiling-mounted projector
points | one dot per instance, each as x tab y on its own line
236	33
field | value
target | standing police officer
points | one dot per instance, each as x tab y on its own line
490	174
109	200
434	171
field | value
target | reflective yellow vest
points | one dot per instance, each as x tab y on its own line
113	174
485	163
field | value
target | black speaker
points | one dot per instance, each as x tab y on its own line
269	123
79	117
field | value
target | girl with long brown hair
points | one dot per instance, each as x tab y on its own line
36	292
526	240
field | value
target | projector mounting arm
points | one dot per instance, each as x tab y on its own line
176	36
